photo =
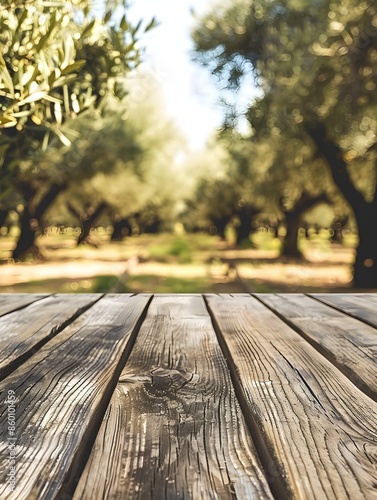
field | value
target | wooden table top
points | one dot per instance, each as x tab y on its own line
188	396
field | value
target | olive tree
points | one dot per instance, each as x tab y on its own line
59	60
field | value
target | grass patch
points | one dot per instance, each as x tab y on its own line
151	284
103	284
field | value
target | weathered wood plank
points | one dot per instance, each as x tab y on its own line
23	332
358	306
318	428
348	343
13	301
62	394
372	297
174	428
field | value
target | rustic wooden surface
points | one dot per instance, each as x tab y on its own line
190	396
178	428
12	302
20	338
63	392
321	430
345	341
362	307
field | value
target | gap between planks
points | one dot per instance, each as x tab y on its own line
10	302
60	414
318	425
174	428
21	337
324	328
364	312
279	487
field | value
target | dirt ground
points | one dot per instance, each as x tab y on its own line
209	269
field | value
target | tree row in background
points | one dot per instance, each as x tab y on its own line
315	65
72	133
84	138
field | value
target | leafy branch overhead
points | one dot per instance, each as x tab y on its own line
59	59
315	65
61	63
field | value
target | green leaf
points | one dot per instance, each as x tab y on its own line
151	25
66	98
43	66
88	28
124	25
53	21
74	66
52	77
42	42
4	73
7	121
50	98
107	17
29	76
69	51
64	80
36	96
22	114
63	139
21	20
45	140
137	27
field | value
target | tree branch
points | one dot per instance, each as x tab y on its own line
374	202
73	211
47	199
97	212
334	158
305	202
27	189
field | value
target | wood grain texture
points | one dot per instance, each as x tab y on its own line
174	428
348	343
361	306
13	301
320	431
62	394
23	332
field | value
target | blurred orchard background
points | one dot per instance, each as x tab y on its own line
212	146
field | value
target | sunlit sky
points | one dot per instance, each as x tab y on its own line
191	95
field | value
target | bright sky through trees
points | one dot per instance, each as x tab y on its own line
190	93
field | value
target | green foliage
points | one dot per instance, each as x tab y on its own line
312	61
231	185
169	284
123	157
315	65
60	63
59	59
103	284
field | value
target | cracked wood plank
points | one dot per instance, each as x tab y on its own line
23	332
62	394
13	301
347	342
174	428
310	420
359	306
